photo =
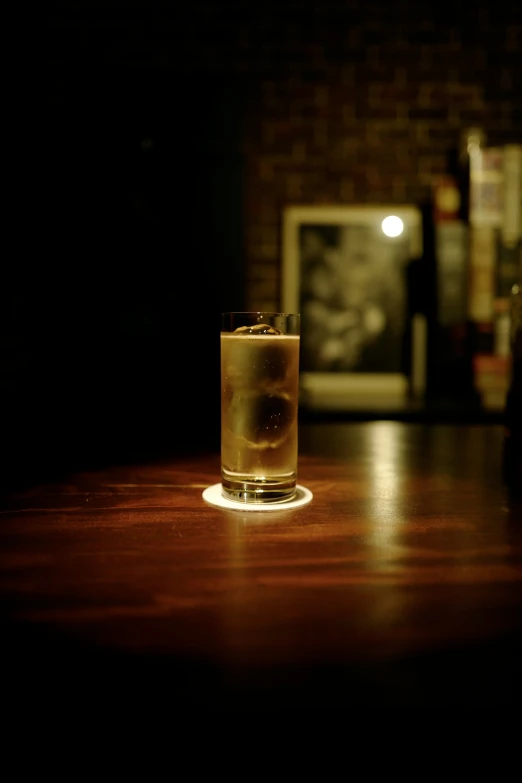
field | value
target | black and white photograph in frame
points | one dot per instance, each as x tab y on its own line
344	270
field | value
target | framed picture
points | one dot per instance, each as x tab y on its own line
344	270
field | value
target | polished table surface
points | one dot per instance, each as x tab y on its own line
399	584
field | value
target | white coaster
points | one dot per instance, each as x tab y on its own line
213	496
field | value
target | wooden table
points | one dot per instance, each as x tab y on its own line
399	584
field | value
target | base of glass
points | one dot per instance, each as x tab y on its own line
214	496
252	491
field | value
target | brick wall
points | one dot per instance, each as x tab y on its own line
365	103
345	100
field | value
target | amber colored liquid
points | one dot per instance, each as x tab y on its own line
259	399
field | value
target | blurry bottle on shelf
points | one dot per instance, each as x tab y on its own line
453	377
485	212
486	186
509	235
472	144
512	454
421	308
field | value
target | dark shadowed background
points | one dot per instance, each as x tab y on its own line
164	140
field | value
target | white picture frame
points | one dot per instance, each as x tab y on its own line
348	281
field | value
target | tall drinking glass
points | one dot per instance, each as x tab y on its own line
259	401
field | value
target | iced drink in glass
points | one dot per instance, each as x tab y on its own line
259	404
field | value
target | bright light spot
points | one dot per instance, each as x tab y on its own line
392	226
